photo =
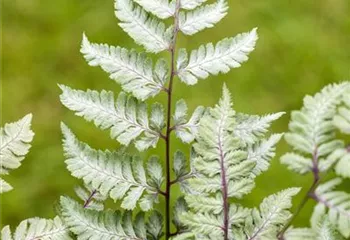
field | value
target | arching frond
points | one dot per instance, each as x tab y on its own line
126	117
37	228
203	17
143	28
209	59
134	71
112	173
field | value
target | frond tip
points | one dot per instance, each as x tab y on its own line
221	58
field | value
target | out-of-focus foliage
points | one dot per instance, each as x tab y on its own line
303	46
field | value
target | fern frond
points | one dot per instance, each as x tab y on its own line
186	130
143	28
228	53
126	117
37	228
337	202
90	224
251	128
261	153
131	69
92	198
271	216
161	8
203	17
15	139
297	163
191	4
113	173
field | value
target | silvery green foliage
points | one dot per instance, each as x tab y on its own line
225	168
37	228
114	173
15	144
342	119
209	59
91	198
317	149
126	117
90	224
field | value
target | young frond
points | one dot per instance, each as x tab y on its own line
37	228
143	28
191	4
90	224
14	145
203	17
113	173
134	71
312	128
271	216
186	129
209	59
126	117
342	118
336	204
161	8
251	128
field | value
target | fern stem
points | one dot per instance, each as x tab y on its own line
309	195
169	128
88	201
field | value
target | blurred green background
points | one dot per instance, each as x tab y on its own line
303	46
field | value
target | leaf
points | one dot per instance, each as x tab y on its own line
130	69
191	4
37	228
91	198
161	8
228	53
271	216
342	119
179	208
251	128
144	29
262	152
180	165
342	168
111	173
186	130
127	118
14	145
203	17
155	226
90	224
297	163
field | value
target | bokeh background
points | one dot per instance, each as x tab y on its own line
303	46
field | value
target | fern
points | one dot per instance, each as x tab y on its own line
113	173
225	168
37	228
15	144
228	53
87	224
342	119
317	149
143	28
131	69
126	117
203	17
